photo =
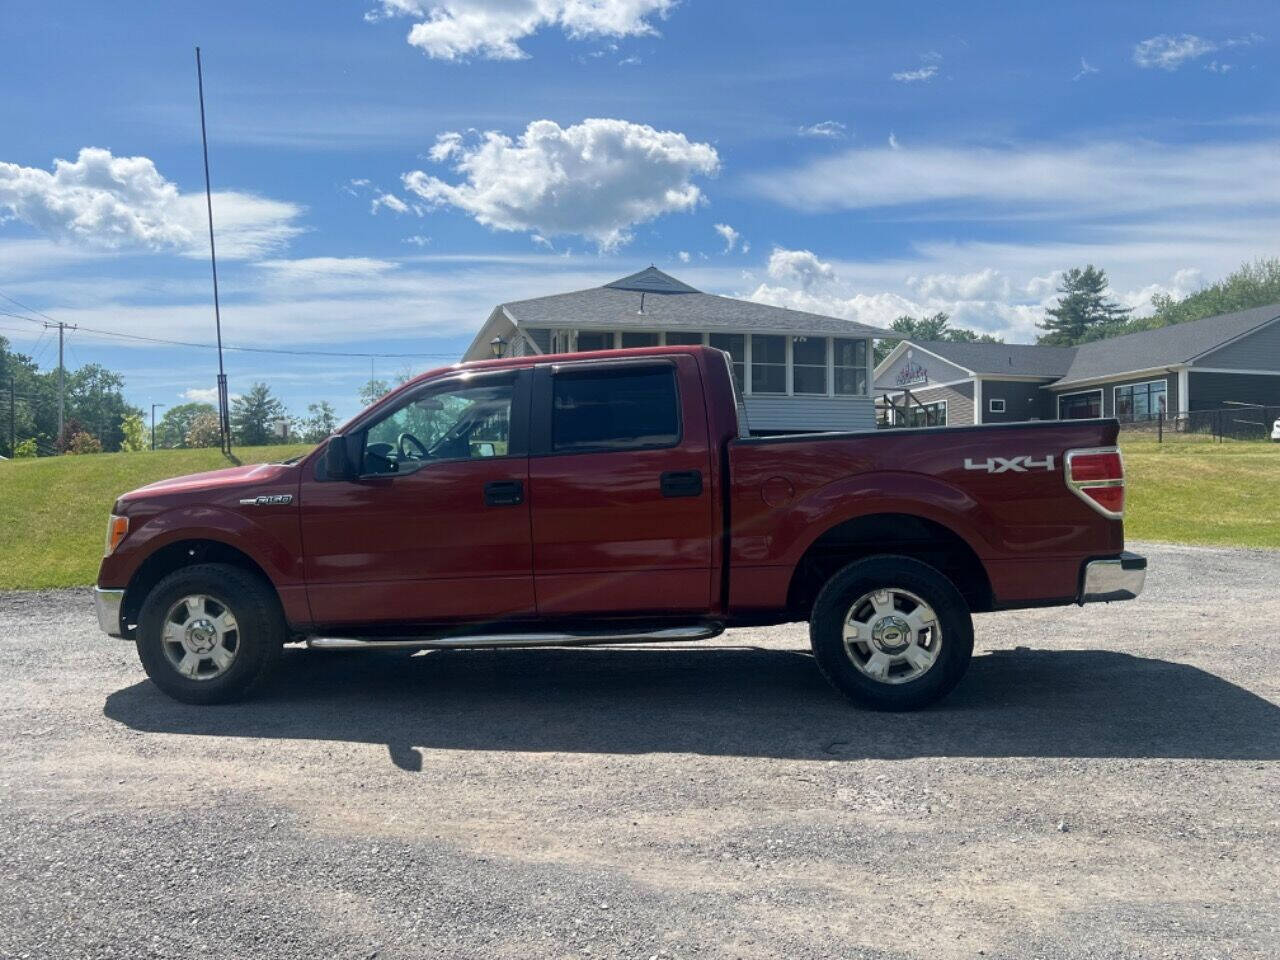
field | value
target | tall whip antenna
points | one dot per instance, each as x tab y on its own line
224	414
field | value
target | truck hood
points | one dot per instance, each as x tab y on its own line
214	481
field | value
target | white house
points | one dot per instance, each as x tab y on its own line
797	371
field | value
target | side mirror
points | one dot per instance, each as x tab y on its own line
337	459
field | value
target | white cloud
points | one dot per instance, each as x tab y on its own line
827	129
205	395
684	256
921	75
729	235
492	29
988	284
1047	182
595	179
1086	69
800	266
308	269
123	203
1215	67
1168	52
893	141
417	240
390	201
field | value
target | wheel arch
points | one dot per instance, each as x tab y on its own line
900	534
174	556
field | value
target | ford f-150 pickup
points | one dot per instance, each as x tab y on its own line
615	497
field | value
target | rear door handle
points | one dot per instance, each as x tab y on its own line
504	493
682	483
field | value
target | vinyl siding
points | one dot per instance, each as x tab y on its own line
939	371
1022	401
1210	391
1257	351
959	402
773	413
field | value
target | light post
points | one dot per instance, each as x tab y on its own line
153	423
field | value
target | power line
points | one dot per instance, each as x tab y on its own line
226	346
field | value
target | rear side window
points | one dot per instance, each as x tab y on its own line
618	408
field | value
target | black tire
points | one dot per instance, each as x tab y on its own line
259	636
843	590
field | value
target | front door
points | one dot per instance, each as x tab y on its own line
436	527
620	489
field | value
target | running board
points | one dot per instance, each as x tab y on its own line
700	631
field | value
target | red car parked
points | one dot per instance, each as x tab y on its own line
614	497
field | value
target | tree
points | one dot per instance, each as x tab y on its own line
934	327
373	390
203	430
1255	284
1082	307
83	442
95	397
321	420
253	416
132	433
25	449
176	423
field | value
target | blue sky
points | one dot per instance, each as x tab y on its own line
386	171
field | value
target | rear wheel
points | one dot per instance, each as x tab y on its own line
891	633
210	633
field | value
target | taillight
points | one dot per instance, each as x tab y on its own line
1097	477
117	527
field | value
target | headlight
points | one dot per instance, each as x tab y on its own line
117	527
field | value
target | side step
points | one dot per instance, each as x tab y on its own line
698	631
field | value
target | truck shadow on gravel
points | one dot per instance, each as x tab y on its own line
727	701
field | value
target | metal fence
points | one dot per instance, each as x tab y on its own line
1236	422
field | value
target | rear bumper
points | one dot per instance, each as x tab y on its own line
106	603
1115	578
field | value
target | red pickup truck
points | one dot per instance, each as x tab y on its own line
615	497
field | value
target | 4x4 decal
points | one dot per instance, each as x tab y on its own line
1013	464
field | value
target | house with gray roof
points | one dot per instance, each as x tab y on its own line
796	371
1164	373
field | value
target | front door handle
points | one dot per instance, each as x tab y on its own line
504	493
681	483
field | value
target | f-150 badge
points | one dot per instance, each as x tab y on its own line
1013	464
269	500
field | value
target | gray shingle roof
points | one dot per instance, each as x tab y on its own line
1013	359
670	304
1163	346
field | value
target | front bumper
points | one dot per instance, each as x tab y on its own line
106	603
1115	578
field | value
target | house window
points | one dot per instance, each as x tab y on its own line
928	415
996	405
595	341
1080	406
850	367
615	409
768	363
1141	401
639	339
809	365
735	345
683	339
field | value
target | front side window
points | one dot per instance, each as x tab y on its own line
768	363
850	367
455	421
809	364
614	408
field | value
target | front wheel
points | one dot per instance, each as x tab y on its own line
210	633
891	633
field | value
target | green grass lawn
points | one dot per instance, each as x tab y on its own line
1191	490
53	511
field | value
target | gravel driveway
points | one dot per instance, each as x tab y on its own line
1103	784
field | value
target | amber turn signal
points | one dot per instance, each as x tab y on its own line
117	527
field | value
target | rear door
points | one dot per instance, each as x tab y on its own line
620	491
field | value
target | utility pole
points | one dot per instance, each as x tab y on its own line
153	423
13	416
224	414
62	372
